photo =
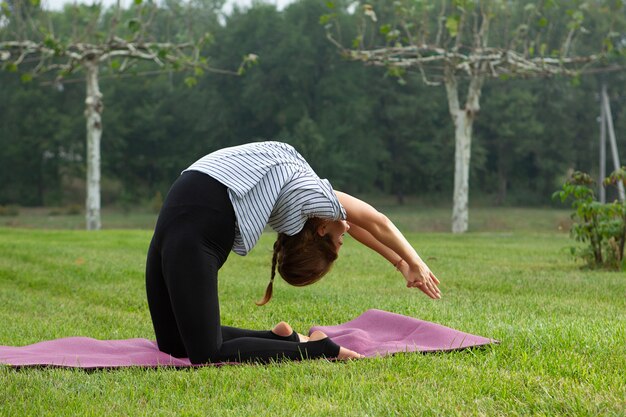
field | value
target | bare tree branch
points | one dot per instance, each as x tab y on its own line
76	54
494	61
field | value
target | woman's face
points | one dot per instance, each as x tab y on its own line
336	229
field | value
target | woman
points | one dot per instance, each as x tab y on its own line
223	202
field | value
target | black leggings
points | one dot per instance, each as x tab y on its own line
192	239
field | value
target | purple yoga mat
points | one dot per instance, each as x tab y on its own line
85	352
381	333
373	333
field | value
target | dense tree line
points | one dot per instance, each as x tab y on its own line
357	126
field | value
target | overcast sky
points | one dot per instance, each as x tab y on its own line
58	4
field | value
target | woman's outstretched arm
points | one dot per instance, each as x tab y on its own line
376	231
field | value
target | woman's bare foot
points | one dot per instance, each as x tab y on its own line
283	329
344	353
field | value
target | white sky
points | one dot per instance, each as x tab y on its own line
58	4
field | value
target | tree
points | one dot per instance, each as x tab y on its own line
116	38
512	134
461	43
33	143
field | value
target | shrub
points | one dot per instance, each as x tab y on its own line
156	202
9	210
73	209
601	226
69	210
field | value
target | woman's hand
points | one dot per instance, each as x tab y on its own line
420	276
376	231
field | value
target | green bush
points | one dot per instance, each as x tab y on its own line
73	209
156	202
9	210
602	226
69	210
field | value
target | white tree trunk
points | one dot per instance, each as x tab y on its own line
463	119
463	145
93	114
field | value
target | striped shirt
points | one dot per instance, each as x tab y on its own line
269	183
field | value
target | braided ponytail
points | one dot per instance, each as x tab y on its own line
270	287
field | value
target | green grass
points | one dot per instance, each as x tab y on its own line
562	329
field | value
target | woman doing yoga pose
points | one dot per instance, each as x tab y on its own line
222	202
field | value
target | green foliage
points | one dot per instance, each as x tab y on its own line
157	202
5	9
134	25
26	77
69	210
452	24
602	227
191	81
10	67
9	210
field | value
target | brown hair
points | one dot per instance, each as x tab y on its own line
301	259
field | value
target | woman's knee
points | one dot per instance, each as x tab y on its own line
205	357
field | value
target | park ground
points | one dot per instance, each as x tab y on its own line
512	278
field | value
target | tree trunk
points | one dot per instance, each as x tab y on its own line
463	122
93	114
463	144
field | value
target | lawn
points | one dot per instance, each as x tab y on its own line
562	328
